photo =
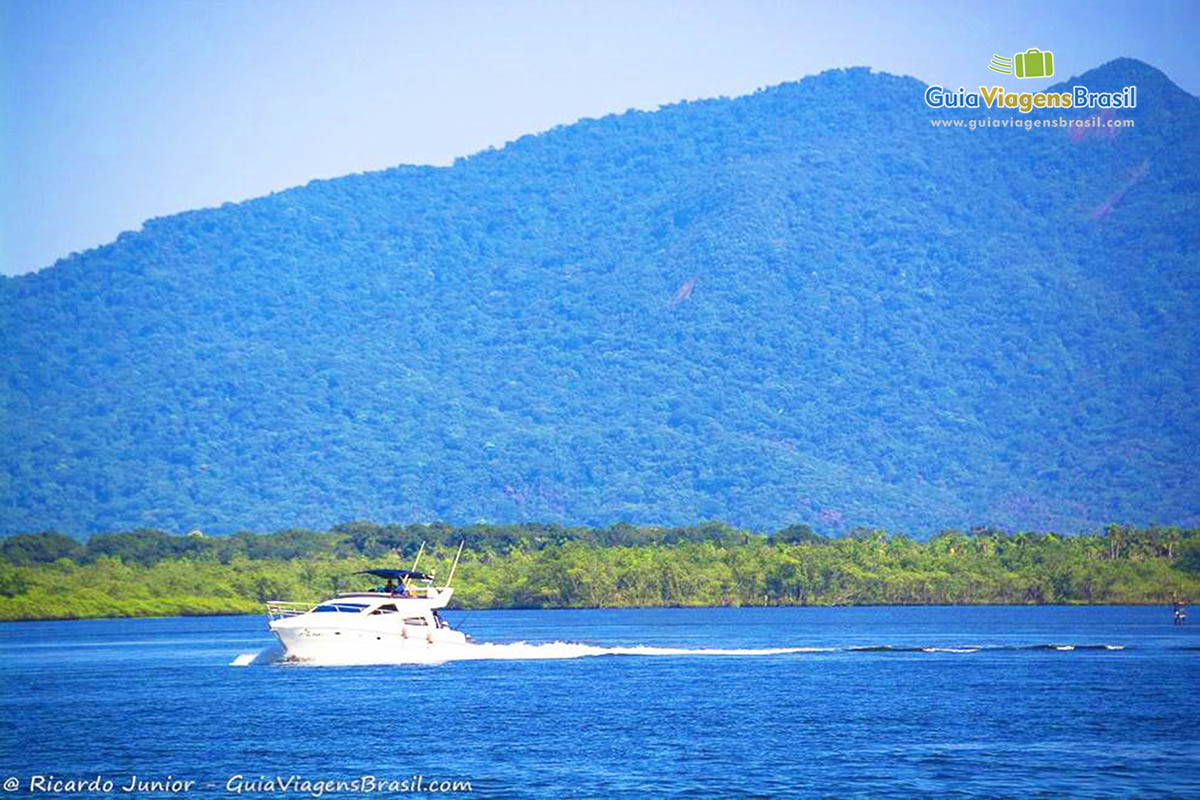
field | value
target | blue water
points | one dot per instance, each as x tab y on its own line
1012	717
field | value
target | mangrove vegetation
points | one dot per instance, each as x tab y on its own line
152	573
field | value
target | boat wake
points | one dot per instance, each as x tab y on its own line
977	648
526	651
515	651
268	655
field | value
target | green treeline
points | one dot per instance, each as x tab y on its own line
151	573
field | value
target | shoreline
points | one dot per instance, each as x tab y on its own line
1130	604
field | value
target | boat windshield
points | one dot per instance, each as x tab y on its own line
345	608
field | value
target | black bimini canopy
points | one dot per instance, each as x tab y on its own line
397	574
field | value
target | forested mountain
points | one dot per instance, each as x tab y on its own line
804	305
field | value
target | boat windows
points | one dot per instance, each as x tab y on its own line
386	608
415	621
344	608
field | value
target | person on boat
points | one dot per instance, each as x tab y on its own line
391	586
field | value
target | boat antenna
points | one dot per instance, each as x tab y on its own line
455	565
417	560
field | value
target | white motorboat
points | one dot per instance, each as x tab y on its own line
395	620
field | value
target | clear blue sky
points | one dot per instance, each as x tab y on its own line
114	112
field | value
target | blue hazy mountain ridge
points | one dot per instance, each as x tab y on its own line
803	305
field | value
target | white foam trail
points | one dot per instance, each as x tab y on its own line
524	650
950	649
268	655
519	651
1064	647
1114	647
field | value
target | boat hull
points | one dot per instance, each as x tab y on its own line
309	640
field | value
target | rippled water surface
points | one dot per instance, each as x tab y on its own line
955	702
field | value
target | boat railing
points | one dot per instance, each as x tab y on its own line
278	609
